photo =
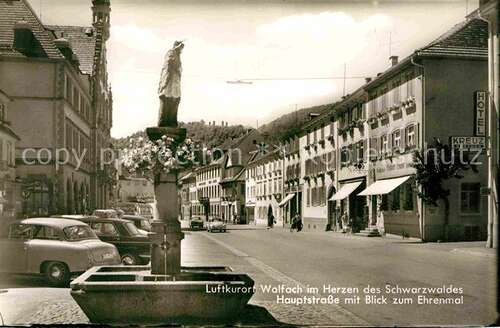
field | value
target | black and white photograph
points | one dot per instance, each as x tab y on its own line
250	163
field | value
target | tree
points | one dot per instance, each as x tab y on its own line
434	166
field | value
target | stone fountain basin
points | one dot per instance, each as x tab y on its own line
132	295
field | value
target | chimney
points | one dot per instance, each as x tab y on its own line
394	60
368	79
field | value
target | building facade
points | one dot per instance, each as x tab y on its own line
430	95
352	136
489	10
266	189
318	164
292	181
61	108
9	186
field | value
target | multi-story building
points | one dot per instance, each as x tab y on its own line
266	172
432	94
9	189
352	136
489	10
220	184
188	194
292	182
237	154
61	108
318	163
209	190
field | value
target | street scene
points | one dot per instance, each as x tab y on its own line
249	163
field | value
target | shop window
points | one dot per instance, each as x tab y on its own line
384	206
396	199
470	197
408	197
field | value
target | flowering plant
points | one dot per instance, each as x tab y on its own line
148	157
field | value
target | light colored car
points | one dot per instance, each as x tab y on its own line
56	248
216	225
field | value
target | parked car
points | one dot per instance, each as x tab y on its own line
140	222
216	225
56	248
134	246
109	213
197	223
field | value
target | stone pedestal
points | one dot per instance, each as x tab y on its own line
166	230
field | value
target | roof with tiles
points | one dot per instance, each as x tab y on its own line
13	11
468	38
82	41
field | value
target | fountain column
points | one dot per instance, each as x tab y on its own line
166	234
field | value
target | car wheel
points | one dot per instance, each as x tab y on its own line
57	274
130	259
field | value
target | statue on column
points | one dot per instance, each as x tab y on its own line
169	89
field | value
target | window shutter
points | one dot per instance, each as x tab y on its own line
389	143
403	138
365	150
417	135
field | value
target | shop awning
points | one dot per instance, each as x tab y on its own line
346	190
286	200
382	187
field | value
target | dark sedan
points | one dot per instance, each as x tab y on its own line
133	245
140	222
196	223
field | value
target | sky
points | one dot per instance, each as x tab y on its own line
297	51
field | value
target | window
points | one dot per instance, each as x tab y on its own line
396	95
410	140
41	232
410	90
344	156
10	153
76	99
384	143
104	229
396	140
360	151
69	90
470	197
2	112
79	233
20	231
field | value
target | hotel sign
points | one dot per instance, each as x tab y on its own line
480	110
468	143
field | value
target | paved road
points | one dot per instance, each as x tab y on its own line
318	259
300	260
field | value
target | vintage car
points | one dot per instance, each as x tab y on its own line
140	222
133	245
56	248
216	225
197	223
